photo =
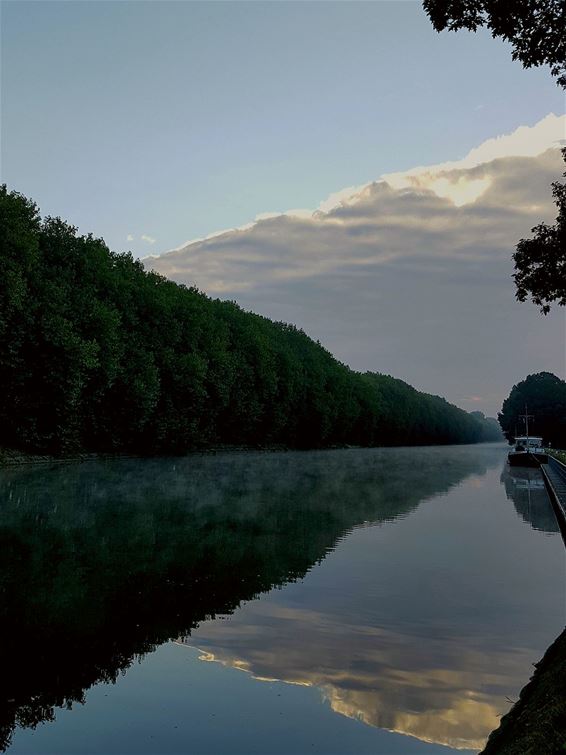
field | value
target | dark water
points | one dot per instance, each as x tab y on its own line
380	601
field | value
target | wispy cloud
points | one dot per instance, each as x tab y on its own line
129	237
148	239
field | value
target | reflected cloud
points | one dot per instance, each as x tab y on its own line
439	691
445	675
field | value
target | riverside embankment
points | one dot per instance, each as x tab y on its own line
536	724
554	475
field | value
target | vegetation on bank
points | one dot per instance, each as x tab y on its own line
98	354
544	395
560	455
536	724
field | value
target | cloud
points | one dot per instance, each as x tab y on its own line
410	274
129	237
148	239
525	141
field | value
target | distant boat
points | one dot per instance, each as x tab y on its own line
528	452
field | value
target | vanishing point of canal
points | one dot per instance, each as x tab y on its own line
351	601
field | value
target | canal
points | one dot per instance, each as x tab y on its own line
349	601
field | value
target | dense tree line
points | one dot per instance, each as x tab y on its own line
97	353
544	395
491	429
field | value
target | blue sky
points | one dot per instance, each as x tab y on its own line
172	120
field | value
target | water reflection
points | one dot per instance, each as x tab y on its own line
440	692
440	626
525	487
101	562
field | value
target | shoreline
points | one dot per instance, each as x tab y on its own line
10	457
536	724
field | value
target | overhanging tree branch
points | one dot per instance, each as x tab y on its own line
540	262
536	29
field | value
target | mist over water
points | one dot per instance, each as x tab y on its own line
394	590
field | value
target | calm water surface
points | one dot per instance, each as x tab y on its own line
359	601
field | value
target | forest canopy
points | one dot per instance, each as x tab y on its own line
99	354
544	395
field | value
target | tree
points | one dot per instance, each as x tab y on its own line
97	353
544	394
536	29
491	431
540	262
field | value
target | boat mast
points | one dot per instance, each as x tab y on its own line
526	417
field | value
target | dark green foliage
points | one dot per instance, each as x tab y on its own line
491	428
407	416
540	262
544	394
536	29
98	354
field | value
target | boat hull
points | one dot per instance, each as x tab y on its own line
526	459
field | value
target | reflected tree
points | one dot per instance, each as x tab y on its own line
102	562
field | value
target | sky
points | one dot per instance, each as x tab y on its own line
152	124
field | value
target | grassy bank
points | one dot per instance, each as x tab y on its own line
560	455
12	457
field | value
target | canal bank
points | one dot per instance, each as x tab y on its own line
554	475
536	724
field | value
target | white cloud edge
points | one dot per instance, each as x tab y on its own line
524	141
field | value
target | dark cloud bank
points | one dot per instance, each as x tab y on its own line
402	280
